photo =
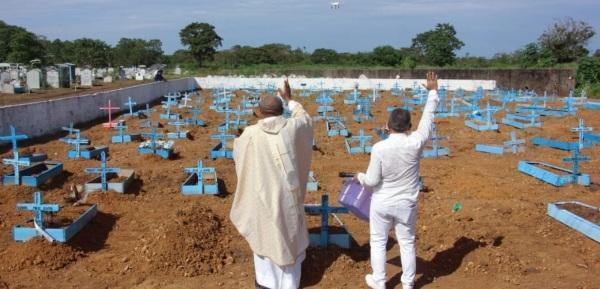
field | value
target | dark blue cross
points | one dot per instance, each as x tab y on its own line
324	210
130	103
103	170
154	136
15	161
514	143
581	130
38	208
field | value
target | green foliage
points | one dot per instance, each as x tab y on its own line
387	56
324	56
532	56
437	46
24	46
588	76
59	51
19	45
131	52
202	40
93	52
588	71
566	39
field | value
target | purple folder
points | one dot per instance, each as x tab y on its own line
356	198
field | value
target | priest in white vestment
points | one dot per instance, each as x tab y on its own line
272	161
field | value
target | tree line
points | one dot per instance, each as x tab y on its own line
17	45
563	42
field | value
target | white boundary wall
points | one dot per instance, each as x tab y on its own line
211	82
47	117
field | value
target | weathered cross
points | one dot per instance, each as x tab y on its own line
15	161
110	108
103	170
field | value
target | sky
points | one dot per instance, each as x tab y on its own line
486	27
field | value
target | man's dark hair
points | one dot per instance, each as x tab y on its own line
399	120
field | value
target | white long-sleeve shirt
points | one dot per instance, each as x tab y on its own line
393	171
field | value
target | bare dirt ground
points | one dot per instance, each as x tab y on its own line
155	237
48	94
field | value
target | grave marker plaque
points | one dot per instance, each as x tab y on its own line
52	78
34	79
86	78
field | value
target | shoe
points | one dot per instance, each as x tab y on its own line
371	283
404	286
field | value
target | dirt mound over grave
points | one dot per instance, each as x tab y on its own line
195	241
38	252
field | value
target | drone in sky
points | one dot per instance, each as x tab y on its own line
336	5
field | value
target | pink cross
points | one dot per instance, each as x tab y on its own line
110	123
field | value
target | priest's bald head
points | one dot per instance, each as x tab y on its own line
270	105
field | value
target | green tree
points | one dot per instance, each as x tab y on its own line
130	52
437	46
25	46
532	55
566	39
202	40
19	45
324	56
183	58
278	53
92	52
387	56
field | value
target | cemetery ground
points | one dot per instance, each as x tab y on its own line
154	237
52	93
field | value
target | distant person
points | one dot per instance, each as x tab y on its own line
159	76
393	174
272	161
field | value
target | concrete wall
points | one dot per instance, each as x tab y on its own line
538	79
345	83
47	117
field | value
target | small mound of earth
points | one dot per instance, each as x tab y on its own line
38	252
195	242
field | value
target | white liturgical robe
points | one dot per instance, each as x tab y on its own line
272	161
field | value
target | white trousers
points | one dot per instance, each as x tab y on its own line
400	215
272	276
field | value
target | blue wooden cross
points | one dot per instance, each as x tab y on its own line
581	130
178	133
226	125
221	150
148	111
436	149
121	128
103	170
76	141
576	158
514	143
363	141
185	99
363	109
15	161
352	97
39	208
396	89
195	119
154	136
324	237
130	103
200	187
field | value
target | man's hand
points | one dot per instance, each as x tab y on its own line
286	93
432	83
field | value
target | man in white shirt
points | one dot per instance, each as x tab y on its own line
393	173
272	161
